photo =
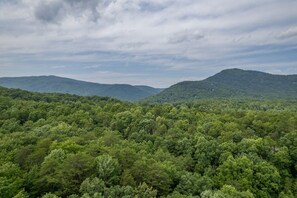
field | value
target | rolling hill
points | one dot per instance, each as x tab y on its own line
232	83
55	84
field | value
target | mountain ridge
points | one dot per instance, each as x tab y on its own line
228	83
56	84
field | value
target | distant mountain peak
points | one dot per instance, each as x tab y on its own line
233	69
239	71
231	83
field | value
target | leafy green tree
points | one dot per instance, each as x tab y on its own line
122	121
227	191
107	169
290	141
86	195
31	182
11	180
41	150
10	125
49	195
282	160
21	194
236	172
50	180
286	195
74	170
176	194
154	174
193	184
127	178
266	179
126	156
92	186
144	191
207	154
110	138
69	146
119	191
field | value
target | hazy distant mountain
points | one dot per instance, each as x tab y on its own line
56	84
232	83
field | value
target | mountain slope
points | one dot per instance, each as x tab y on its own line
232	83
56	84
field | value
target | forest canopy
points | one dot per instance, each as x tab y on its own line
61	145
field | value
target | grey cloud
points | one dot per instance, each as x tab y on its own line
55	11
78	6
50	12
149	6
133	45
82	3
185	37
9	1
58	67
292	32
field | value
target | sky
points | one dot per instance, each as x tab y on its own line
146	42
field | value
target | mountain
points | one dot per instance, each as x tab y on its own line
148	89
232	83
57	84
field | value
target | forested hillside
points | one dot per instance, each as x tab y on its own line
55	84
59	145
232	83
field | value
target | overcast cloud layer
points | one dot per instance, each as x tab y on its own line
153	42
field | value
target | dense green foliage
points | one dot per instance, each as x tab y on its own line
56	145
232	83
51	84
